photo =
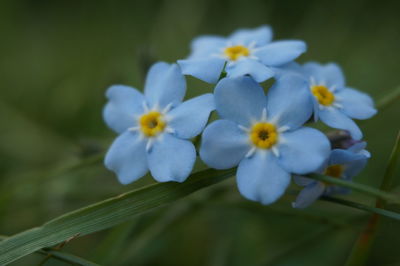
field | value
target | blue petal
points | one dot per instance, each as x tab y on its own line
330	190
355	167
239	99
308	195
329	74
339	156
303	181
281	52
164	85
171	159
126	157
336	119
189	118
223	144
356	104
303	151
123	105
261	36
206	46
292	68
260	178
315	107
359	147
289	102
251	67
208	69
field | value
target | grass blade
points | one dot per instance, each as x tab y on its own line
104	214
62	256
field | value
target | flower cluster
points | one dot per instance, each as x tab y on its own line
263	134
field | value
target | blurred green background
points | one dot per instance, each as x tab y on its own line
58	58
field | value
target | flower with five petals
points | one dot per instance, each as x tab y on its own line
154	127
245	52
334	103
263	135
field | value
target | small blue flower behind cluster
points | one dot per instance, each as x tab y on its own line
245	52
264	135
155	127
344	164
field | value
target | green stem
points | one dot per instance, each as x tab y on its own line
362	207
358	187
66	257
391	167
388	99
363	245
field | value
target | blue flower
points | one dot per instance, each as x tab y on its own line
334	103
246	51
263	135
343	164
154	127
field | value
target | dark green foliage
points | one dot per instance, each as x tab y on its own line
57	59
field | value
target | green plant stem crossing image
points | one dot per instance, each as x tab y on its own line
199	133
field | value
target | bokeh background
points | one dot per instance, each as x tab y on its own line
58	57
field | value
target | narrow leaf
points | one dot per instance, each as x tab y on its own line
63	256
104	214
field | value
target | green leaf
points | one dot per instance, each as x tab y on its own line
104	214
63	256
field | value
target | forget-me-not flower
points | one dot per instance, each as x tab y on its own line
263	135
334	103
245	52
155	127
343	164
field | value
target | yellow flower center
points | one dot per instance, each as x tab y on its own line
263	135
335	170
235	52
152	123
323	95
